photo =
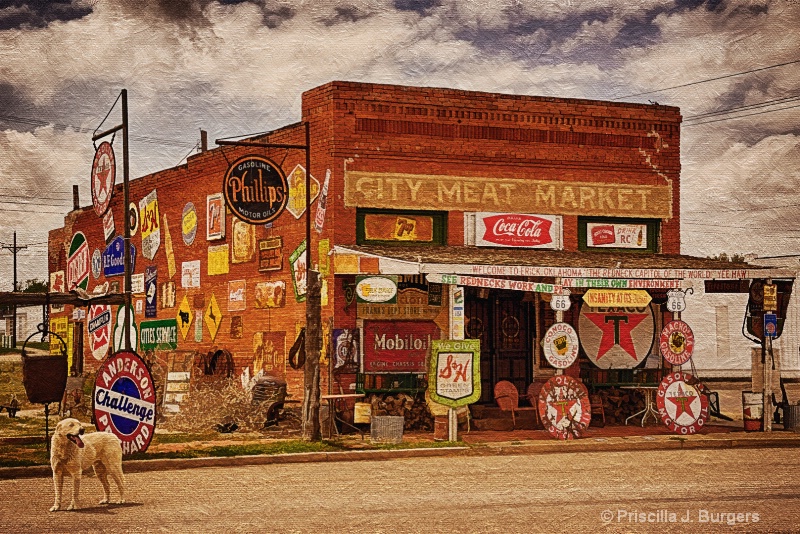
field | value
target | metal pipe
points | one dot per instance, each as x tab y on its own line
266	145
127	241
112	130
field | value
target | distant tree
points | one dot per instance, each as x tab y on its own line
35	286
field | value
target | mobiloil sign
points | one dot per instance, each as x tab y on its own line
124	401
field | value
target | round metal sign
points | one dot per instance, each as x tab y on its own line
104	172
189	223
125	401
99	326
681	405
255	189
616	337
676	342
564	407
561	345
97	263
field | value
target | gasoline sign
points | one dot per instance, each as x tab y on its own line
561	345
676	342
564	407
255	189
616	337
125	401
681	405
104	169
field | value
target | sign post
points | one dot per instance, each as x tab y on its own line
455	376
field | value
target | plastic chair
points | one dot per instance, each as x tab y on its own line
507	398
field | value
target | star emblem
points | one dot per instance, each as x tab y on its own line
683	403
563	408
616	328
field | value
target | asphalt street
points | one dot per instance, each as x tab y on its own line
750	490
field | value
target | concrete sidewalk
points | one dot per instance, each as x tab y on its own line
475	443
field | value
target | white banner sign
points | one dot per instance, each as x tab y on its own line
493	283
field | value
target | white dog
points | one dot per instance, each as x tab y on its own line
71	452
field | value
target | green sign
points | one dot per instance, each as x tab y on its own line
454	375
161	334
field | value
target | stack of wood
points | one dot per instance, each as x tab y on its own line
619	404
414	410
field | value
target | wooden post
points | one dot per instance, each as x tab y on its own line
452	425
767	361
311	390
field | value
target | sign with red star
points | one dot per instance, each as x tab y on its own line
564	407
681	404
616	338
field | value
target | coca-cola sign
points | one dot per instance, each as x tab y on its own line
513	230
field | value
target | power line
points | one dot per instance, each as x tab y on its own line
741	116
766	103
709	80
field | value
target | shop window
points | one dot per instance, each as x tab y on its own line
617	234
390	227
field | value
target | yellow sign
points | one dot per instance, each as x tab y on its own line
170	252
770	297
218	260
184	317
297	191
491	193
213	317
58	325
629	298
345	263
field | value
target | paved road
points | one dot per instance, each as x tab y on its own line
581	492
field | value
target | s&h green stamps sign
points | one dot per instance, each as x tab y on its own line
454	375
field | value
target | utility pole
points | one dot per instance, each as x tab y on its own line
14	249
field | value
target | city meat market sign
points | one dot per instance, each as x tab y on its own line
681	405
124	401
255	189
564	407
493	194
104	172
455	370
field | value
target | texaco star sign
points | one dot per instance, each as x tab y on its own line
104	171
564	407
681	405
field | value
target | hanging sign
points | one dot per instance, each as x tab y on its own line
319	218
99	327
78	264
676	342
455	372
681	405
150	291
104	172
631	298
770	325
616	337
189	223
564	407
561	345
114	259
560	300
124	401
255	189
676	300
296	182
770	297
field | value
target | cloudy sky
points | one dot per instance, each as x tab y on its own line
239	66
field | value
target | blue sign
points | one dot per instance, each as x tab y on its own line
114	259
770	325
150	290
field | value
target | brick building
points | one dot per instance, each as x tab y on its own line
422	183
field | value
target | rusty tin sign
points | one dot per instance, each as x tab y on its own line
564	407
676	342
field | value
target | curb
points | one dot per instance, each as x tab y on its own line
479	449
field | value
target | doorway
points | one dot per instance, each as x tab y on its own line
502	321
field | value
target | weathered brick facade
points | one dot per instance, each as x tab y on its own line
392	131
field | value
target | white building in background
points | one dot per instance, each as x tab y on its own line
723	347
27	320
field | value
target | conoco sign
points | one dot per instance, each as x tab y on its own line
255	189
561	345
676	342
104	171
681	404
